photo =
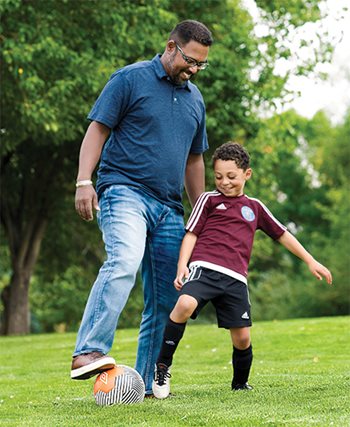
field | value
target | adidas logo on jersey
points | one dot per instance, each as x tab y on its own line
245	315
221	206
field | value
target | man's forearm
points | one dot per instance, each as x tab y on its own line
195	177
91	148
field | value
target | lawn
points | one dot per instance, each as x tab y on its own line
300	374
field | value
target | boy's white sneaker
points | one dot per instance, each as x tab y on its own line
161	382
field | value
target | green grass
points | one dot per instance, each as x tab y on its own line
300	376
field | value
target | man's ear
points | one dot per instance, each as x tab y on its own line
170	46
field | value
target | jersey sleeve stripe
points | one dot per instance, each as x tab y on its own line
198	209
195	214
268	213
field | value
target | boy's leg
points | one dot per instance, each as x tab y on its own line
175	328
242	358
173	333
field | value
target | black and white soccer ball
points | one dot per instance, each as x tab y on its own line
121	384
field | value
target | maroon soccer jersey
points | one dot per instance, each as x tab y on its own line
225	227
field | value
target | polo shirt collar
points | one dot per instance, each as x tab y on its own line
162	74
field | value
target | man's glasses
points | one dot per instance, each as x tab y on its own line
191	61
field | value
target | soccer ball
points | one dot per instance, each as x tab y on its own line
121	384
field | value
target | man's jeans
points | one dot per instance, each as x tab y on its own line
135	228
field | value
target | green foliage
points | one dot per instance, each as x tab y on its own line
229	93
335	173
5	270
54	64
285	175
303	175
57	305
283	294
299	374
56	57
294	12
52	76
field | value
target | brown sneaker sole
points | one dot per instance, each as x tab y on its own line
92	369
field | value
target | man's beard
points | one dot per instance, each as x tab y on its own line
176	79
180	81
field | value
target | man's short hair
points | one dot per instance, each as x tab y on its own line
232	151
188	30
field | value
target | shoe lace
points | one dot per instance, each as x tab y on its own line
162	374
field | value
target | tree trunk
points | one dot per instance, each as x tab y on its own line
16	305
31	190
15	297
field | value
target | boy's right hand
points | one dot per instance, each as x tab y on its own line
181	275
319	271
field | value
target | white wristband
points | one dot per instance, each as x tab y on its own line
83	183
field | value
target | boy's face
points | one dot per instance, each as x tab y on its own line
229	178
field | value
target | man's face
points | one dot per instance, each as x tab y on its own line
177	67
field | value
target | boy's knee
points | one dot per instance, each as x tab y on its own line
240	338
187	303
242	343
184	307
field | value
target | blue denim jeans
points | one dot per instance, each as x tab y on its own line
136	229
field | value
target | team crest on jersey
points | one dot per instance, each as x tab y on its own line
247	213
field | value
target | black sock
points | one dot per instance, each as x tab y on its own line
241	362
172	335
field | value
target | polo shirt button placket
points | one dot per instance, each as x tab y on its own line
175	96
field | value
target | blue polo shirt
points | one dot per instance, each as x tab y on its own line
154	124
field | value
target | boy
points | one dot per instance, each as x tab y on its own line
217	246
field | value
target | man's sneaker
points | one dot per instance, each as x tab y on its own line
149	396
161	382
245	386
87	365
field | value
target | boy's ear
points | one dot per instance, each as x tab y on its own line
248	173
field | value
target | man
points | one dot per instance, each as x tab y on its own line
153	119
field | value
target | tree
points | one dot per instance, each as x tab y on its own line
301	169
55	62
57	57
333	159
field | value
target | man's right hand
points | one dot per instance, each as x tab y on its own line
86	201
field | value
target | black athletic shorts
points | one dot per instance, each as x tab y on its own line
229	296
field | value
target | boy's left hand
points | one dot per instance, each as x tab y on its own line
320	271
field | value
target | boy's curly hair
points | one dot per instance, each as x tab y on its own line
232	151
